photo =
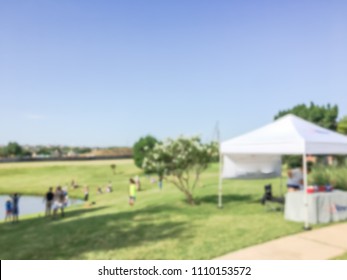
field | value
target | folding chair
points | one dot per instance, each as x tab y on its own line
269	201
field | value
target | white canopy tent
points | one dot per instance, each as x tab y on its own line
289	135
251	166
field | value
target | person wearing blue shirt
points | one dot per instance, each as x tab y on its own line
8	207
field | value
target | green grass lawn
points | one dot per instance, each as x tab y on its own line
342	257
160	225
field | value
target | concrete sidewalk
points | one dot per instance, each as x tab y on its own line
319	244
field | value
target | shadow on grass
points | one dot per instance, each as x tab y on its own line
229	198
83	210
43	220
67	238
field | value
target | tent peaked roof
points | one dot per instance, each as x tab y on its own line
287	135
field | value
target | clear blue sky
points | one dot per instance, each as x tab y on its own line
104	73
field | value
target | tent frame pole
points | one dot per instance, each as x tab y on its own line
281	180
220	182
220	185
304	165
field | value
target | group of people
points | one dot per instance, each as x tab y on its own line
108	188
57	200
134	186
12	209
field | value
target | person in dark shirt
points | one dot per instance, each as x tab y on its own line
49	201
15	209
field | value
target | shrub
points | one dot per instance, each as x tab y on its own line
336	176
339	178
181	162
320	176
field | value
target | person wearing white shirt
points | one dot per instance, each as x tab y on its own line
295	179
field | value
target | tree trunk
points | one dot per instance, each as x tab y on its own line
190	198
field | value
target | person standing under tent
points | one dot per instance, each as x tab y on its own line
295	179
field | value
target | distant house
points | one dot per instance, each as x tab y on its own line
57	153
71	153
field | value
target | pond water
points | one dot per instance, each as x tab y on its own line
30	205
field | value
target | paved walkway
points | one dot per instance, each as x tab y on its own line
320	244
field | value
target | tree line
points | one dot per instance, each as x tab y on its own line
14	149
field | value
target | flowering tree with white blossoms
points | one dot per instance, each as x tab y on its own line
181	162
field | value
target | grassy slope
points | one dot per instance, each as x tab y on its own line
160	226
342	257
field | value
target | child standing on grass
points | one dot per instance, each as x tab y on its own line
132	192
86	193
160	182
8	206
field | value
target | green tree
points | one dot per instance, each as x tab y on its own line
143	146
342	125
13	149
42	150
82	150
26	153
180	162
3	152
324	116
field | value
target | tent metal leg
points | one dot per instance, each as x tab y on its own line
304	164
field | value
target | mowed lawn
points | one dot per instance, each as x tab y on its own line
160	225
